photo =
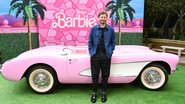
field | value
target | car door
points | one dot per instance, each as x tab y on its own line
76	65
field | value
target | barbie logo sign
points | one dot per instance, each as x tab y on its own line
70	22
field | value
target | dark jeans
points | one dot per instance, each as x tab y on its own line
97	65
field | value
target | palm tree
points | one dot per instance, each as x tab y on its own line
29	10
120	9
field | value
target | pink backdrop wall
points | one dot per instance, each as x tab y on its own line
67	22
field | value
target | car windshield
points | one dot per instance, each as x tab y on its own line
76	50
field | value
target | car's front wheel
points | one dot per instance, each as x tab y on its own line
41	79
154	77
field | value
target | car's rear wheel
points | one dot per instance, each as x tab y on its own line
154	77
41	79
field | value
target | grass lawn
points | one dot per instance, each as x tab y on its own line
19	93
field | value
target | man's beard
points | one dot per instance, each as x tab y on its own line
102	22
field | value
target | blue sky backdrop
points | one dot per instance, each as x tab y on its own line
4	6
138	5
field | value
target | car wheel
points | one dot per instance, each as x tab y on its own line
41	79
154	77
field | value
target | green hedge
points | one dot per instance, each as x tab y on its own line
11	45
131	38
0	58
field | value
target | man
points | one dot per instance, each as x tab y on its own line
101	45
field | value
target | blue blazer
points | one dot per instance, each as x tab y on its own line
94	40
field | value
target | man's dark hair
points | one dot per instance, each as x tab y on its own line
102	12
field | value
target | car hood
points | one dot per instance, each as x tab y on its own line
48	50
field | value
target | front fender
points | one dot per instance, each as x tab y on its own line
14	69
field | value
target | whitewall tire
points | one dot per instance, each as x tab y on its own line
154	77
41	79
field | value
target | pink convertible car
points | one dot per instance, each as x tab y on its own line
46	66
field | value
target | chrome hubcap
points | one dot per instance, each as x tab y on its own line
41	80
152	77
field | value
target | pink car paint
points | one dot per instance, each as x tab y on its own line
72	63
